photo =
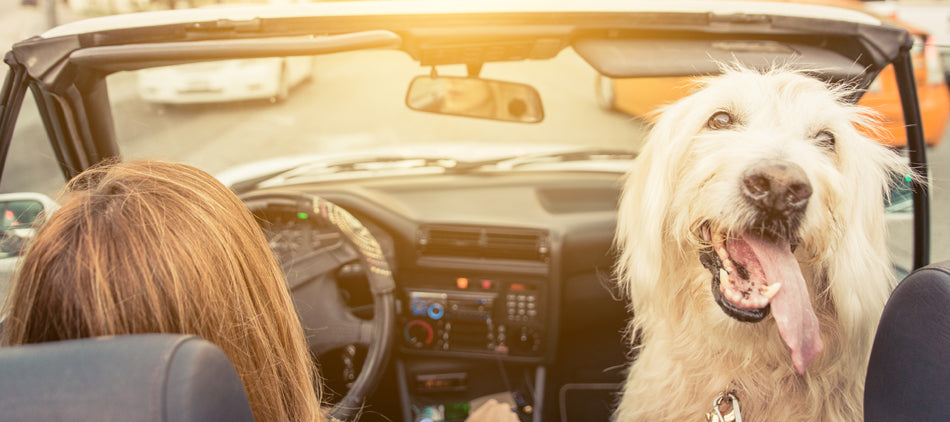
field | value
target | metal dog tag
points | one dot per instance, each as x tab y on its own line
716	415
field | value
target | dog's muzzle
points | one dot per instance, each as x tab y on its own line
754	270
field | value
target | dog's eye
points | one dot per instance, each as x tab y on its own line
720	120
825	139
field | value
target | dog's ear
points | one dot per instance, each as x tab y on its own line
860	258
644	209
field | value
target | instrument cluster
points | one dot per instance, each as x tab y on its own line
292	235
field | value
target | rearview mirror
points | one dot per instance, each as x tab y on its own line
473	97
18	213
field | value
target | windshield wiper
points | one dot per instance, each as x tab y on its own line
507	163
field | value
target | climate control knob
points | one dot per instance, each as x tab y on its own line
418	333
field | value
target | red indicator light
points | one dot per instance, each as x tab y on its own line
486	284
461	282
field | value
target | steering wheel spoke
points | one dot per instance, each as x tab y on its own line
340	334
319	263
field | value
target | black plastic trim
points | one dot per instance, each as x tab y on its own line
917	155
14	90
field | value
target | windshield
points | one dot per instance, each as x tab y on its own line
217	115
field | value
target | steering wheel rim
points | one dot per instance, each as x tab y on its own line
381	283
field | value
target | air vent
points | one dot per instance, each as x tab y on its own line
483	242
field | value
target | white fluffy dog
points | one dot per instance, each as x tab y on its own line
752	244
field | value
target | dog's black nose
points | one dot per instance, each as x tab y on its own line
777	186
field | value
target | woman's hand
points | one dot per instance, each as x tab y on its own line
493	411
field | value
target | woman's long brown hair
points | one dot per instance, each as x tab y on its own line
158	247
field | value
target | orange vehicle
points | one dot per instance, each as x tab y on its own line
641	97
934	98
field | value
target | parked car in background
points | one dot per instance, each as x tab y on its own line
270	78
932	16
640	97
932	93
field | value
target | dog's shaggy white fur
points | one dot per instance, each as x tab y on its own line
690	194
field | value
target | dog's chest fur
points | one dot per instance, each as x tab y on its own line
682	368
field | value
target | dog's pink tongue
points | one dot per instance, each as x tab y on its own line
797	323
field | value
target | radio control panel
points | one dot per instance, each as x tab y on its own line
495	319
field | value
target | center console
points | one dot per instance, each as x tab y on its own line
481	315
465	336
476	321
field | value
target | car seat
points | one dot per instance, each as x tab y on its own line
148	377
908	375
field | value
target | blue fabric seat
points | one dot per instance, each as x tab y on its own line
908	376
150	377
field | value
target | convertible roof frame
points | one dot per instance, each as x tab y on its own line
875	43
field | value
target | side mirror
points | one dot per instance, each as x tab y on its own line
474	97
18	214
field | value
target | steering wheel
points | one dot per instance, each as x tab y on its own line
328	323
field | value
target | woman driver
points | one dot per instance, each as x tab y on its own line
156	247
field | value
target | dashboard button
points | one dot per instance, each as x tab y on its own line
435	311
418	307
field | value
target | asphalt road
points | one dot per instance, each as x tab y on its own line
900	228
938	160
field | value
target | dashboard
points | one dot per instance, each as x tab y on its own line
511	268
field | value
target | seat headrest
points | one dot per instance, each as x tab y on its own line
149	377
908	375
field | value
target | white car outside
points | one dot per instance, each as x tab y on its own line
269	78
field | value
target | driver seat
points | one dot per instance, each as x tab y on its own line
133	378
908	375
